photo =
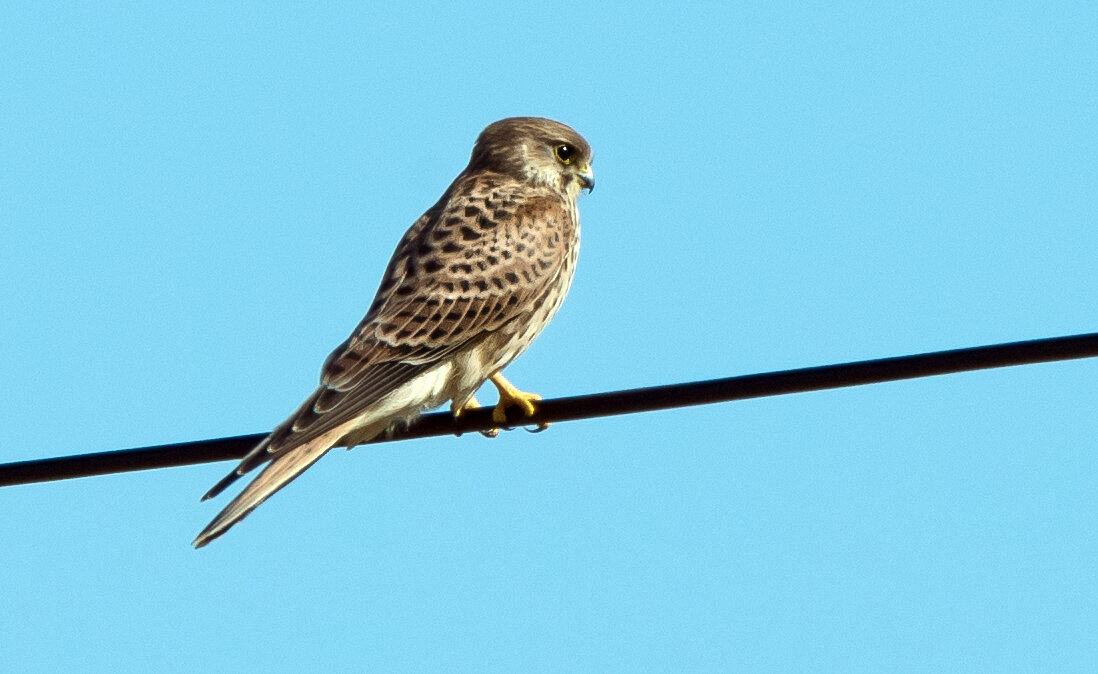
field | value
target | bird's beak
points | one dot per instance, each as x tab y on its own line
587	178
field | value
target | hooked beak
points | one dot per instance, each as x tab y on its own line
587	178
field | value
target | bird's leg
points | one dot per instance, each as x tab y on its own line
471	404
509	395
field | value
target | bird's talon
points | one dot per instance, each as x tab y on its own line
472	404
524	401
509	395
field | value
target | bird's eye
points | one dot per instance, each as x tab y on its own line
565	153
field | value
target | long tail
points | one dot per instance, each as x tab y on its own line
275	476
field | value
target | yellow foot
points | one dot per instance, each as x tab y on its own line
472	404
509	395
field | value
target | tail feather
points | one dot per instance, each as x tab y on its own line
276	475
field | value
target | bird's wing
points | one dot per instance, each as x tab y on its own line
462	271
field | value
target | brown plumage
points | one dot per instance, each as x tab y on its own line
471	284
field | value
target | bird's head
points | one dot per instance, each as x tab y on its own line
536	150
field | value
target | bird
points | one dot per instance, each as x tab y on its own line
469	287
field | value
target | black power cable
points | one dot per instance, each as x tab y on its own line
593	405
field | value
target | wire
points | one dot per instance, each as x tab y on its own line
593	405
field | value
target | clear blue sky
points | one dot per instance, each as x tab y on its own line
196	204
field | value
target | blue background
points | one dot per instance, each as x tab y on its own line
197	202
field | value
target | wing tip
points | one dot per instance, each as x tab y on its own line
274	477
255	457
221	485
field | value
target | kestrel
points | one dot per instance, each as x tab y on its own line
471	284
